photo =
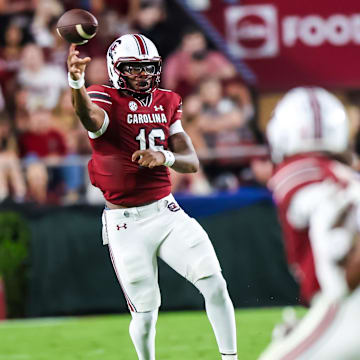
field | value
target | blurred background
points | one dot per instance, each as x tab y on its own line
230	60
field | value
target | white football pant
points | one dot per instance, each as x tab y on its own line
136	236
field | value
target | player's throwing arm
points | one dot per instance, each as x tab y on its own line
91	116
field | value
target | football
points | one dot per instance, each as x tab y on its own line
77	26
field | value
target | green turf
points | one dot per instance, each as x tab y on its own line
180	335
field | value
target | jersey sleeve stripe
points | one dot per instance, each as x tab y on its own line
99	96
98	92
101	100
289	170
296	179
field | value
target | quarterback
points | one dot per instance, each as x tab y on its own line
318	198
136	134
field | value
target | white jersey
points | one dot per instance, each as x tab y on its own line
319	201
316	207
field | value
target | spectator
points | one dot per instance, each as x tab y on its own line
21	113
206	113
37	181
126	9
192	109
12	182
193	62
11	51
56	54
19	12
152	21
218	126
197	183
66	122
44	83
97	72
221	121
149	15
115	18
11	7
238	92
47	12
10	55
40	145
78	147
43	149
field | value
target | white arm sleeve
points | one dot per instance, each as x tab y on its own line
176	127
95	135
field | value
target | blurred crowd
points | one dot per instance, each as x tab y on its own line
44	149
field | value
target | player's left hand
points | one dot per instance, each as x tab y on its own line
148	158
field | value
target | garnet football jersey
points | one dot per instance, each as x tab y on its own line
293	175
133	125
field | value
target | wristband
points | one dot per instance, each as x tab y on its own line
169	157
76	84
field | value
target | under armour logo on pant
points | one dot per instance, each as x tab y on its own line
124	226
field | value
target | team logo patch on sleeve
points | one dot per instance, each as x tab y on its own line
133	105
173	207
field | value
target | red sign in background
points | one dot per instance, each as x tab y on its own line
290	43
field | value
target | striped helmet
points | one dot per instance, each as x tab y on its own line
132	48
307	120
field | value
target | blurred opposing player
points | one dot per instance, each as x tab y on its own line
136	134
318	199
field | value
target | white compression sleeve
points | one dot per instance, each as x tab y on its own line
220	311
142	331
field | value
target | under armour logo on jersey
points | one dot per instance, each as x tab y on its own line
173	207
123	226
159	108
